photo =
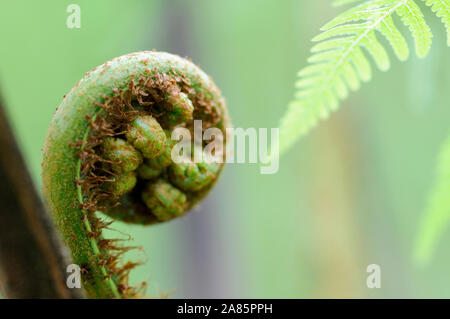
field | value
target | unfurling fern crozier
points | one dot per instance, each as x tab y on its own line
339	64
108	149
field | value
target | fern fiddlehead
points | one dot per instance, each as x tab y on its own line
108	149
339	65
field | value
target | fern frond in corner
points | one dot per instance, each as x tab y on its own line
338	63
442	10
438	212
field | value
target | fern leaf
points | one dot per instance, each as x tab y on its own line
442	10
344	2
412	17
440	7
395	38
339	63
438	212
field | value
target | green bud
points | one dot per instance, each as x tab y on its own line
182	109
192	177
164	200
152	168
146	171
147	136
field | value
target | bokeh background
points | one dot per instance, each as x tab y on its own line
350	194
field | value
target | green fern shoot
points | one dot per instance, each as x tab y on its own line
339	63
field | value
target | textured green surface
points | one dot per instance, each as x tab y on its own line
147	136
60	167
124	156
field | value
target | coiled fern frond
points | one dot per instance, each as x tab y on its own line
339	62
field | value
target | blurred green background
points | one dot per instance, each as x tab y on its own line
350	194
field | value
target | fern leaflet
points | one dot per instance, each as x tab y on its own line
442	10
339	65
